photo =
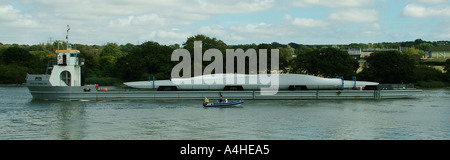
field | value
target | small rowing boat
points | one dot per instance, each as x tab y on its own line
221	104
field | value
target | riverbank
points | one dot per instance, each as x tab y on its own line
431	84
12	85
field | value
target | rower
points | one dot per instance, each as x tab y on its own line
221	98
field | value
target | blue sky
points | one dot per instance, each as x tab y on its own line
234	21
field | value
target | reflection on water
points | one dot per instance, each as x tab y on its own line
48	120
425	117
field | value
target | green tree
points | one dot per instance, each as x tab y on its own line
424	73
327	62
207	43
40	60
303	50
414	53
112	49
146	60
127	48
12	74
388	67
286	58
417	42
379	45
17	55
107	66
90	54
425	46
358	45
131	67
17	62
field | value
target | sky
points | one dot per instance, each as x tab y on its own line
232	21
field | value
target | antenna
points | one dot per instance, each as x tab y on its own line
67	36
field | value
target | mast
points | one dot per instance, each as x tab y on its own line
67	37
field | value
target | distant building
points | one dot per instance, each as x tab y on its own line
354	53
402	48
426	55
442	51
359	53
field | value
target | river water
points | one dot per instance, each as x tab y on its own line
425	117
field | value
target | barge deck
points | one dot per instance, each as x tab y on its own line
91	93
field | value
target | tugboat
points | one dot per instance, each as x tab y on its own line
63	76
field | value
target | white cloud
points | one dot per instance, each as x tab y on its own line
442	31
215	30
308	22
371	30
421	11
231	34
252	28
431	1
152	19
230	6
17	26
103	21
167	36
170	34
259	33
398	35
13	17
305	22
355	16
333	3
233	21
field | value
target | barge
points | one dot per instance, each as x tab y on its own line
64	81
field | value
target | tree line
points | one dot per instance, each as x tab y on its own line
112	64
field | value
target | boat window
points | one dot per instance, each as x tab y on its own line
167	88
233	88
297	87
64	62
38	79
371	87
66	77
